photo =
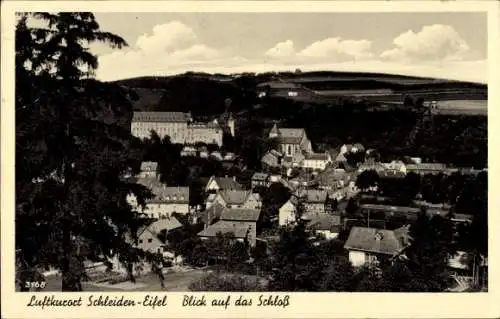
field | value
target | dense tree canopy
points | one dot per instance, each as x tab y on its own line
72	149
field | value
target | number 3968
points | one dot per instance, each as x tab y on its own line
35	284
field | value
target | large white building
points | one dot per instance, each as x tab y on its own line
179	126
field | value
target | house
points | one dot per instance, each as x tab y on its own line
148	170
351	148
216	184
260	180
188	151
150	238
341	158
332	178
241	222
166	200
396	167
426	168
316	161
209	215
216	155
367	245
291	140
315	204
282	89
293	161
327	225
271	159
303	179
236	199
372	166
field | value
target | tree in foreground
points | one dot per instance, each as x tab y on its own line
72	150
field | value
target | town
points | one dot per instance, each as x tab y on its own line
247	182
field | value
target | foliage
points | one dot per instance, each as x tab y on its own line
430	249
228	282
367	179
72	149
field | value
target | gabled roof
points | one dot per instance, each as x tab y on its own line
240	214
238	228
163	193
260	176
227	183
237	197
381	241
313	195
324	222
274	130
291	135
330	176
149	166
359	146
168	117
211	213
157	226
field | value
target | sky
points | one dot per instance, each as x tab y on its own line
441	44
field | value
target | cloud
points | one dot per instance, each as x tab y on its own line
166	38
337	48
432	42
282	49
169	46
173	48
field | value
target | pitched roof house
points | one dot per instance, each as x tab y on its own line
314	201
327	225
236	199
317	161
148	236
366	245
166	200
148	169
241	222
272	159
260	179
222	183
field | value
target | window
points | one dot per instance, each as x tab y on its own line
140	241
150	240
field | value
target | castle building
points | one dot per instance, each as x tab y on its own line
179	126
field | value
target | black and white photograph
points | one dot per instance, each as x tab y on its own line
251	151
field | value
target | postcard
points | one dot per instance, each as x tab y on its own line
262	159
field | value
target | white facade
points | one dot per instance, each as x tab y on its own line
328	234
286	213
358	258
159	209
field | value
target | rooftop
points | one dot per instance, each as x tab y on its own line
239	229
167	117
149	166
260	176
236	197
165	194
241	214
381	241
228	183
